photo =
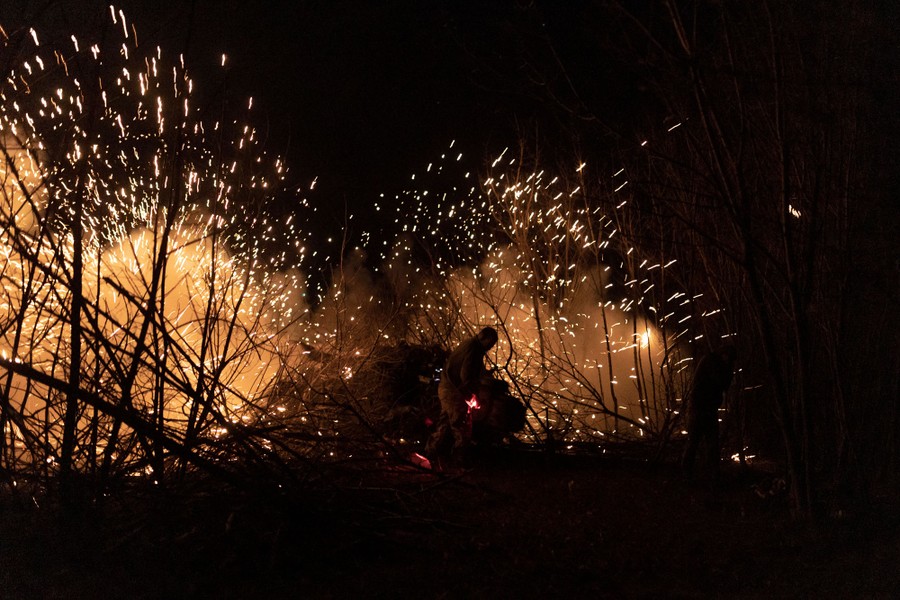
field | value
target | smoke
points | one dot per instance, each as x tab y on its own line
193	320
583	359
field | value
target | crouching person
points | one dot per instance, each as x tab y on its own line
461	381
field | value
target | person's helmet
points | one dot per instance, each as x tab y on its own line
488	337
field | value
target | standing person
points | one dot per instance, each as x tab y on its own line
712	378
461	380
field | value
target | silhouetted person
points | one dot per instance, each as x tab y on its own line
711	379
458	391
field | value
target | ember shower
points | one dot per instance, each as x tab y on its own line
155	303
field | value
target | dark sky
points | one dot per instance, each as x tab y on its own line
361	94
361	91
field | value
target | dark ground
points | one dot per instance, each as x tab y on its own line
517	525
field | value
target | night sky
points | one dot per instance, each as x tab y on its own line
363	94
360	96
355	93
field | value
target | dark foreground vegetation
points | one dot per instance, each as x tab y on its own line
518	524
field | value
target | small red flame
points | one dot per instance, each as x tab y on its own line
473	403
420	461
